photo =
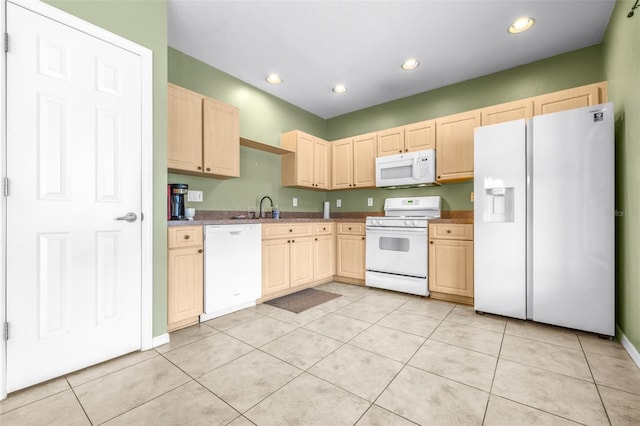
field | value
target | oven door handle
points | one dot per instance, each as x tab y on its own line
385	230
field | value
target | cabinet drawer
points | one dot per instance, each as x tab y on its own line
451	231
286	230
351	228
323	228
184	236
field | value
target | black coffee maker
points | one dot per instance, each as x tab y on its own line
177	191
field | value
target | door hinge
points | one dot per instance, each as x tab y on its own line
6	331
5	188
6	42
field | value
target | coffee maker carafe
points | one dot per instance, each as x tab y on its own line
176	200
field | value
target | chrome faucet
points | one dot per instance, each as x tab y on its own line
260	215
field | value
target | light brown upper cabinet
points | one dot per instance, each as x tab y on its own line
412	137
309	164
204	135
454	146
591	94
353	162
508	111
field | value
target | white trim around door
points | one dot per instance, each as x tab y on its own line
146	106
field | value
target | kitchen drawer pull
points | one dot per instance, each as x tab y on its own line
430	242
290	230
186	237
448	231
200	251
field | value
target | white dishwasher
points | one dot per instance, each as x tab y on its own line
232	268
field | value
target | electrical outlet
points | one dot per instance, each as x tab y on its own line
369	202
295	202
195	196
338	202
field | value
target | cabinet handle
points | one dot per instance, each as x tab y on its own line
316	239
199	168
363	238
288	241
324	229
293	241
208	169
349	228
406	150
355	184
448	231
200	251
400	150
349	184
186	237
290	230
430	242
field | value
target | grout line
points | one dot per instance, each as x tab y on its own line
78	399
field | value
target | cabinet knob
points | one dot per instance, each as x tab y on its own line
200	251
355	184
290	230
293	241
199	168
316	239
399	150
349	228
208	169
448	231
186	237
288	241
430	242
324	229
363	238
349	184
406	150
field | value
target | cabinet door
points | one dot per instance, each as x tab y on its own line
323	257
185	286
566	99
221	139
301	261
275	266
342	163
454	142
451	267
350	256
507	112
420	136
321	162
184	145
364	160
391	141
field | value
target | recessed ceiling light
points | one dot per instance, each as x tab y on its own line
339	88
521	25
410	64
274	78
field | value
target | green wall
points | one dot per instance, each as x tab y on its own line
143	22
622	69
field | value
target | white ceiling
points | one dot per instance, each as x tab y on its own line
315	44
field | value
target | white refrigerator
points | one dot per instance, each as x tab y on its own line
544	219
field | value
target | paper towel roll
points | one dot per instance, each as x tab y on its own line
327	204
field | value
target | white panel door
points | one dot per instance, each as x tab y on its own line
74	166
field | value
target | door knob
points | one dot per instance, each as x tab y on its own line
129	217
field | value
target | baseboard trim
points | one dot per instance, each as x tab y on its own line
626	343
160	340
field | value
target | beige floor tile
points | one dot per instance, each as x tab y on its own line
502	412
102	369
349	290
477	339
543	333
467	316
233	319
386	299
377	416
302	348
365	311
300	319
387	342
249	379
610	347
623	408
263	309
357	371
260	331
61	409
119	392
621	374
338	327
207	354
431	308
241	421
33	394
554	393
428	399
308	400
185	336
337	303
558	359
456	363
410	323
190	404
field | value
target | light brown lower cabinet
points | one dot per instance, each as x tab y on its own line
185	276
350	252
451	262
295	256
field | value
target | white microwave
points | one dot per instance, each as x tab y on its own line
408	169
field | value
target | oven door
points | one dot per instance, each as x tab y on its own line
402	251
